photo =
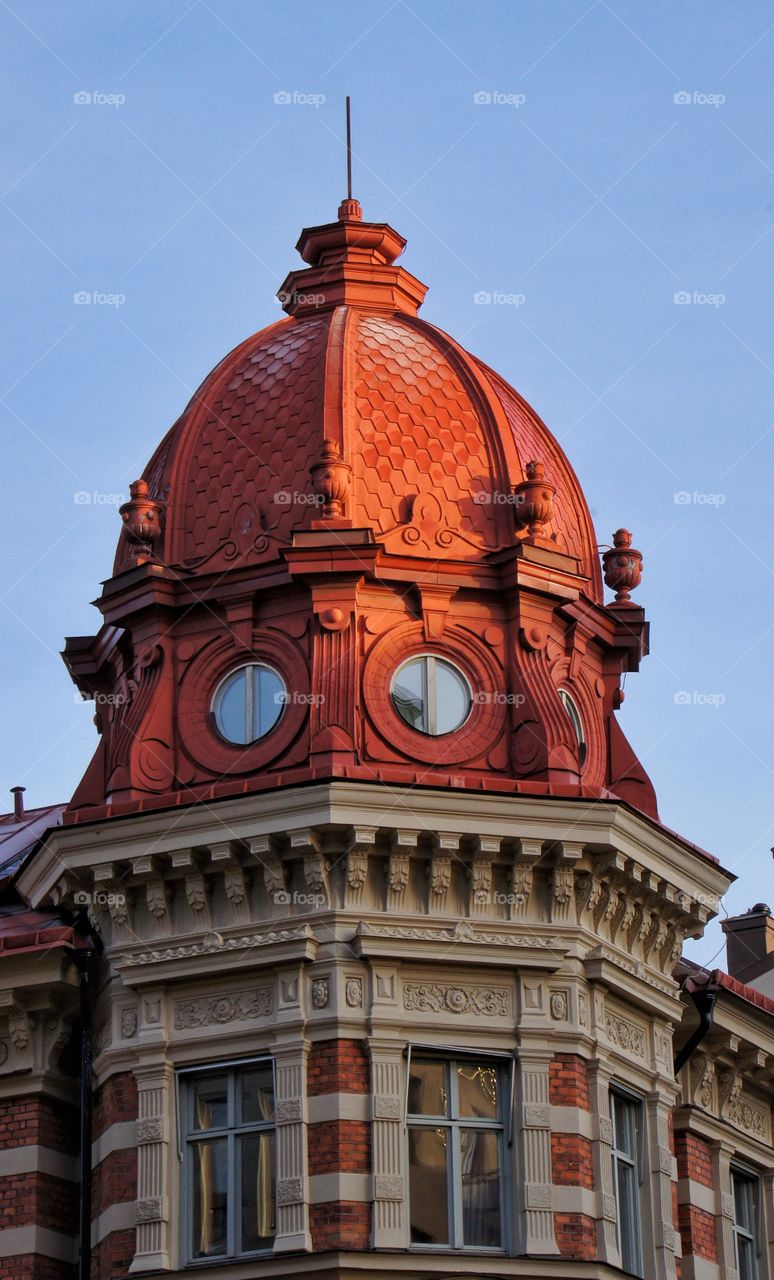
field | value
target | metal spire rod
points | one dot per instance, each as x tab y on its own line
349	152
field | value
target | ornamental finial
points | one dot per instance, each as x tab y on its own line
623	567
534	501
142	520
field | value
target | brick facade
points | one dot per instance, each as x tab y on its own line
698	1231
339	1225
568	1081
112	1258
114	1102
576	1236
339	1146
694	1158
38	1121
572	1161
114	1180
338	1066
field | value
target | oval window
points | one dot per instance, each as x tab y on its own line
431	695
569	704
248	703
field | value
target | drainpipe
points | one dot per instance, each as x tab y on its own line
85	961
704	999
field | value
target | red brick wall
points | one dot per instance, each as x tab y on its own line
568	1081
339	1146
115	1102
698	1231
111	1259
339	1225
338	1066
572	1162
27	1199
38	1121
31	1266
114	1180
694	1158
576	1235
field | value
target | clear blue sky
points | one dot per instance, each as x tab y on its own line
582	186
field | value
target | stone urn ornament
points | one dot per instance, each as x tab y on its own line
331	481
533	501
142	520
623	567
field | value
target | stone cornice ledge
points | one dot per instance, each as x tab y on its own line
529	947
186	957
634	980
411	1266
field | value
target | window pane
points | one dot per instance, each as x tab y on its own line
480	1158
268	700
256	1095
210	1198
477	1086
256	1171
210	1103
744	1203
745	1259
452	698
628	1216
625	1116
408	694
429	1185
231	708
427	1089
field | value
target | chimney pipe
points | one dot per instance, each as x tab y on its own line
18	802
749	942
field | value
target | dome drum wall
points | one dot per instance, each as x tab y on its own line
347	490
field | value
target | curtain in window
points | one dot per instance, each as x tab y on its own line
265	1187
206	1180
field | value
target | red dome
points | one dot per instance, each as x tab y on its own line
435	439
350	496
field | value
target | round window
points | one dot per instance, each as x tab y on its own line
248	703
431	695
568	702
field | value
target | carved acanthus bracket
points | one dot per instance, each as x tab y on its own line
316	865
480	875
702	1075
729	1088
273	870
236	883
528	854
440	868
405	843
363	843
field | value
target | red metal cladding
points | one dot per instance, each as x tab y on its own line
350	488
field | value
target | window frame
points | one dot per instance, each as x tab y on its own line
503	1064
189	1139
742	1173
429	693
572	711
249	702
634	1162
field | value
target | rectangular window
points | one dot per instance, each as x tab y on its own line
455	1153
746	1213
227	1127
626	1114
